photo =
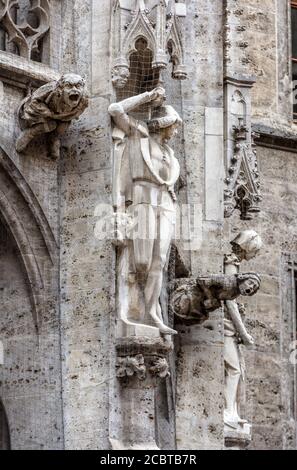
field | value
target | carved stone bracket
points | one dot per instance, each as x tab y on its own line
143	357
142	362
238	439
242	190
156	22
21	32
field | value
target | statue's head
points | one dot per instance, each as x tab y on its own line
71	89
247	244
119	76
248	283
168	124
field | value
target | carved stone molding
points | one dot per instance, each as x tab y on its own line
137	366
160	368
23	73
242	182
26	222
155	21
238	439
131	365
143	357
20	32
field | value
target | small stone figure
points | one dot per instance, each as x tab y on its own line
50	110
244	247
119	76
193	301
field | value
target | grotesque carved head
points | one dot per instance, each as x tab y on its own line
71	88
247	244
248	283
119	76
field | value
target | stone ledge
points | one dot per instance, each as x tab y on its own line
147	346
277	138
20	72
238	438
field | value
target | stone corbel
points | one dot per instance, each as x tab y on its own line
143	357
242	182
141	364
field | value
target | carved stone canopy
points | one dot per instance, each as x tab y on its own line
157	23
242	182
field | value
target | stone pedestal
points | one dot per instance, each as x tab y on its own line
239	438
141	362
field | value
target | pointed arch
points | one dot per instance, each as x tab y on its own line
24	219
4	429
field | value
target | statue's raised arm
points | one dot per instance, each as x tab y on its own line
120	111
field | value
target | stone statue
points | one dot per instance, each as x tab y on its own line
192	300
50	110
145	171
244	247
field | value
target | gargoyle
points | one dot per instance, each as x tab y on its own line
50	110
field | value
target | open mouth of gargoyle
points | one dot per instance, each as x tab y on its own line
74	96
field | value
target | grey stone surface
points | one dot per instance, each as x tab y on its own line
58	383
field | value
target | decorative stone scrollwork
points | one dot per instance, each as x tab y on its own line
143	358
26	31
194	299
131	365
156	22
160	368
137	366
50	110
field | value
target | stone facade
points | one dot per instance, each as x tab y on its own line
71	376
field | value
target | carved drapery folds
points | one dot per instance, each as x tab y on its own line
157	23
25	25
242	183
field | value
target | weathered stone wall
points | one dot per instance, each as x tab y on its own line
87	265
199	406
58	379
269	390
